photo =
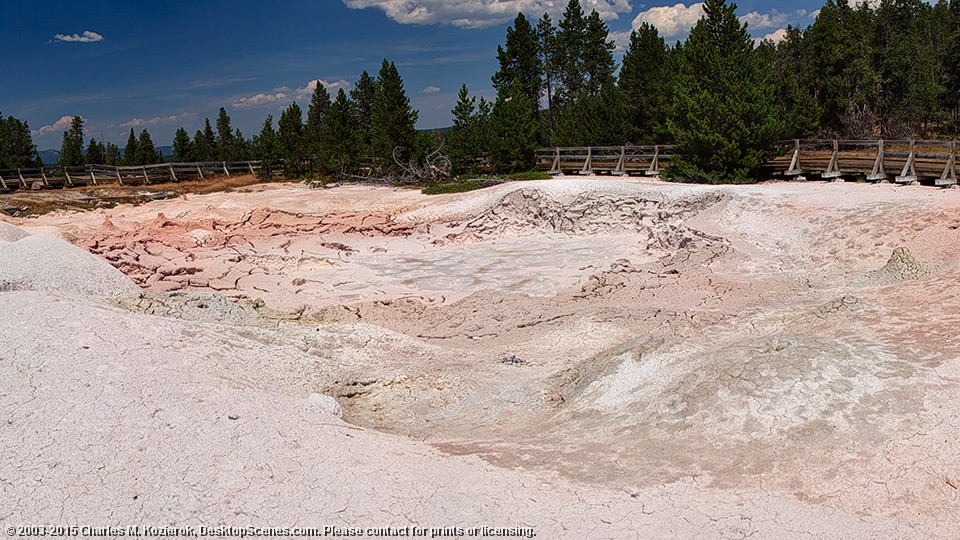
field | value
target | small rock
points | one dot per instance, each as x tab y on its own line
513	360
327	403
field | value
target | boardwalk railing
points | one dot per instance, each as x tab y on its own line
617	160
51	177
903	161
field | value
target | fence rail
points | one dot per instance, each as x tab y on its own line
54	177
617	160
901	161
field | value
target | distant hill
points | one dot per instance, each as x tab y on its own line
50	157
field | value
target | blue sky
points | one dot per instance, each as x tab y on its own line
160	65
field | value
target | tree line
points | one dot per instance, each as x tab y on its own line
888	70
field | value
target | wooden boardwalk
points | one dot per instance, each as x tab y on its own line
902	161
615	160
61	177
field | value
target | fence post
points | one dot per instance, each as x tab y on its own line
199	171
654	163
949	176
93	177
146	178
225	169
619	171
833	169
588	164
556	162
249	164
3	183
67	174
795	169
44	176
879	172
119	178
173	173
909	173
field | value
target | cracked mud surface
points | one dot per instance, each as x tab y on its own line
594	358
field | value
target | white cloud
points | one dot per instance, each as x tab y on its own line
259	100
675	22
60	125
307	91
775	37
86	37
158	120
431	90
283	95
480	13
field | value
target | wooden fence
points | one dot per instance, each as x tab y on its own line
617	160
59	177
902	161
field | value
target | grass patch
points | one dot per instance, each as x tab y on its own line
456	187
529	175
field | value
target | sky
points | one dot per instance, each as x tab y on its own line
161	65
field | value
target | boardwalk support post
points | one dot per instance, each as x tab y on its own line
44	176
833	169
654	163
949	176
555	169
119	178
588	164
173	174
199	171
146	179
909	173
879	172
4	183
620	171
795	169
225	169
250	164
93	177
67	174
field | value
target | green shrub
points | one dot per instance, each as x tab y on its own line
457	187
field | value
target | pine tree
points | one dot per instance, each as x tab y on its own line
112	155
393	118
182	147
146	153
520	65
94	154
241	146
130	152
800	111
462	138
599	120
224	145
362	96
209	141
290	141
71	150
313	130
842	75
339	136
598	66
199	149
514	133
646	85
546	48
724	116
570	42
16	144
266	149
